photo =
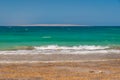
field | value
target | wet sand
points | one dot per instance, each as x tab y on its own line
60	67
57	57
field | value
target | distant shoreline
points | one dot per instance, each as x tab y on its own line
52	25
57	25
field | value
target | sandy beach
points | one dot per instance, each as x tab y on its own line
56	57
60	67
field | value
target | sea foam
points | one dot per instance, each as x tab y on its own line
55	49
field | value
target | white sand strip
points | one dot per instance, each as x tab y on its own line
22	62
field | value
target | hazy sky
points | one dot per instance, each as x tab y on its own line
85	12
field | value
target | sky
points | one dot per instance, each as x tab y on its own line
83	12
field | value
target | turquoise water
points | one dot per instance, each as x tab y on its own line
14	36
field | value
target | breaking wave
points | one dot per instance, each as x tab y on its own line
55	49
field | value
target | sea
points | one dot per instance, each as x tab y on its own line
59	39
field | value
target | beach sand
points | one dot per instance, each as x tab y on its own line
60	67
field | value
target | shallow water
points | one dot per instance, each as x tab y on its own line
75	39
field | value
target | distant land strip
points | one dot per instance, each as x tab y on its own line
52	25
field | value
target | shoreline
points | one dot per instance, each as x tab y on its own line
51	58
51	25
66	61
48	25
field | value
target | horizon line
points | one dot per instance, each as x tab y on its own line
56	25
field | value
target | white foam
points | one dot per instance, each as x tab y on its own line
32	52
54	49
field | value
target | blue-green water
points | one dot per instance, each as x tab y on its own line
12	37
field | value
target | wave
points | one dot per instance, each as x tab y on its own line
86	47
55	49
46	52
